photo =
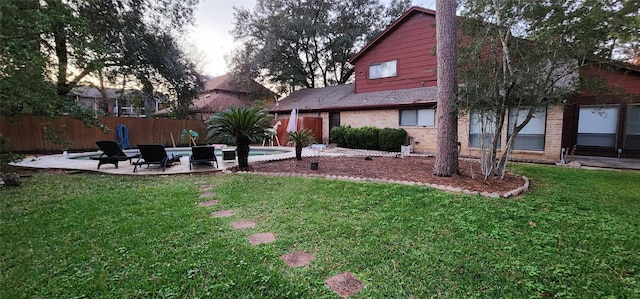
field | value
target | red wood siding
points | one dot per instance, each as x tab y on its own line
412	44
629	81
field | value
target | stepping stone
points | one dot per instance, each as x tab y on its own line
223	213
297	259
345	284
243	224
206	188
208	203
207	194
258	239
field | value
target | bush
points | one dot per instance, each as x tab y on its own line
351	138
391	139
368	138
338	134
372	138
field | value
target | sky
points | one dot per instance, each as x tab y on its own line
211	34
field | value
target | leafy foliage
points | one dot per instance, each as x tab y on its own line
390	139
386	139
306	44
51	46
240	126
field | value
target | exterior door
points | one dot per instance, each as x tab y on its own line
334	121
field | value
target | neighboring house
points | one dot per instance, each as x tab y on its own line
395	86
221	93
114	102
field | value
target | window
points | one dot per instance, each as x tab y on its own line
382	70
477	121
531	137
418	117
597	126
632	129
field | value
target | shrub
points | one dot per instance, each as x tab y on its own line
372	138
338	134
351	138
368	138
391	139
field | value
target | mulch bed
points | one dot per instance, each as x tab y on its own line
414	169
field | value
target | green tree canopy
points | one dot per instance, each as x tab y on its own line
56	44
306	44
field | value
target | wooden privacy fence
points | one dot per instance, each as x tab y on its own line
312	123
26	133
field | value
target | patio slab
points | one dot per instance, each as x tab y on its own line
60	161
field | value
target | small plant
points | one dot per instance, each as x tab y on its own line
301	138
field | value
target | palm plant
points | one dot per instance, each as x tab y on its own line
240	126
301	139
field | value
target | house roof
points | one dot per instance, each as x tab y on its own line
93	92
225	83
342	97
216	102
389	29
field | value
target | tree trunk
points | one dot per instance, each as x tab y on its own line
242	149
298	152
446	163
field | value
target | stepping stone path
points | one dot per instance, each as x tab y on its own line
206	188
208	203
261	238
223	213
207	194
297	259
243	224
345	284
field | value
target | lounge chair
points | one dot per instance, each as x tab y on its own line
155	154
112	154
203	154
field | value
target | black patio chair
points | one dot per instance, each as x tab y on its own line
203	154
155	154
112	154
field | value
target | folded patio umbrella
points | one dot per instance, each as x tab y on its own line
292	126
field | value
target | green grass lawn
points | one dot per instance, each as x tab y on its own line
576	234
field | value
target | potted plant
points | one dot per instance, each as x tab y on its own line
301	138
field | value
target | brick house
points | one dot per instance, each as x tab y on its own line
395	86
222	92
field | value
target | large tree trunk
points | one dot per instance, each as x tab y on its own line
446	163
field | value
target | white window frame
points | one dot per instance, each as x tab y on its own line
423	117
385	69
536	128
